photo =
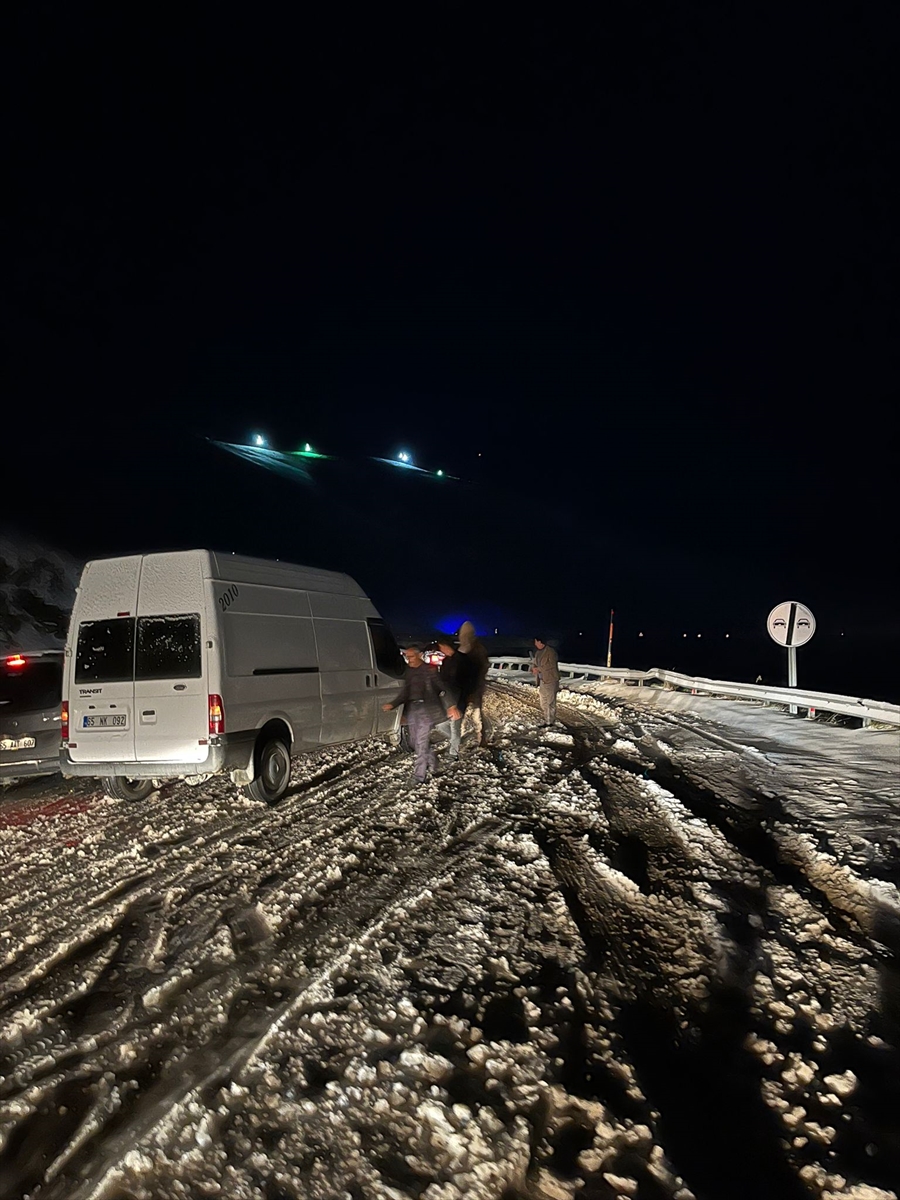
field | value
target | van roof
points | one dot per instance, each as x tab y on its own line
242	569
238	568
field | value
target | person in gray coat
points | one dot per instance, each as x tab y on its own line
546	668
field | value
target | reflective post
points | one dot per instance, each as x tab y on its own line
609	646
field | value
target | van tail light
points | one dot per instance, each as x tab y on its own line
216	715
64	721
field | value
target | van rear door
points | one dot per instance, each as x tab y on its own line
101	695
170	694
347	680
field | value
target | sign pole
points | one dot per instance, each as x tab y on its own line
792	674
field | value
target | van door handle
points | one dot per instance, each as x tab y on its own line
179	687
368	681
149	712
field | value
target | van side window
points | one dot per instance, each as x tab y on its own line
105	652
168	647
388	658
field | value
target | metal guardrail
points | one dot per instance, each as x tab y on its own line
812	702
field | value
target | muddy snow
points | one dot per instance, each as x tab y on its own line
645	953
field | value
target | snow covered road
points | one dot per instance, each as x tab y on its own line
635	955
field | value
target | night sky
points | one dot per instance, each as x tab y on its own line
630	274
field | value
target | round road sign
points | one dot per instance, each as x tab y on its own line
791	624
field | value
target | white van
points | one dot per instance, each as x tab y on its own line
184	664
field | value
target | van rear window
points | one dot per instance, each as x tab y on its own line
168	647
105	651
388	658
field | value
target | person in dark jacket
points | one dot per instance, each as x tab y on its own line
476	652
424	696
458	675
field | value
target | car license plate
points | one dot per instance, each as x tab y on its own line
17	744
105	721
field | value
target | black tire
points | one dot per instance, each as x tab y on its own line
124	788
273	772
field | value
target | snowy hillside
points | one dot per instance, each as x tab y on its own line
37	589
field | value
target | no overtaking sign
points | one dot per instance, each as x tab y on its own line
791	624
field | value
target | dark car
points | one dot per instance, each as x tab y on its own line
30	698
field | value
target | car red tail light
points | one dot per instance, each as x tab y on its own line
64	721
15	661
216	715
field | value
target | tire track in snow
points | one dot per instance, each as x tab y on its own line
119	819
590	971
236	1055
191	832
830	949
238	978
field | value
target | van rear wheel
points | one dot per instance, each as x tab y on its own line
273	772
124	788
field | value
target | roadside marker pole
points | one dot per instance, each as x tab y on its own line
609	646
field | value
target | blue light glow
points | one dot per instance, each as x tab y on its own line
451	622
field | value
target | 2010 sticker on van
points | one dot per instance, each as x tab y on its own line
228	597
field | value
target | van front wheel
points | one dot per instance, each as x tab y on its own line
273	772
124	788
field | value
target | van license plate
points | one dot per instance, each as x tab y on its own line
17	744
105	721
